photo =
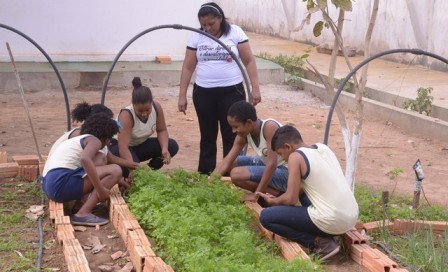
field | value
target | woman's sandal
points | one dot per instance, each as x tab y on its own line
89	220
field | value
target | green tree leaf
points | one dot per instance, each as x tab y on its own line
309	4
322	3
345	5
317	30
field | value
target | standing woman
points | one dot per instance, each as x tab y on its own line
140	121
218	83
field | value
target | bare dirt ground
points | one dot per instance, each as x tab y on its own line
384	146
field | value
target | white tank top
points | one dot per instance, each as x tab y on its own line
64	137
334	209
140	130
262	149
66	155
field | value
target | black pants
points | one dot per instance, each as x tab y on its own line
148	150
211	106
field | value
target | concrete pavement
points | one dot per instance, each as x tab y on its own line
387	82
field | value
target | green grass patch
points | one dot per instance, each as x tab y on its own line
199	225
18	235
292	65
423	250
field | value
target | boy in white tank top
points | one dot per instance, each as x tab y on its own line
328	206
264	172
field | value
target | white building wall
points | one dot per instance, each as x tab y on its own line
400	24
95	30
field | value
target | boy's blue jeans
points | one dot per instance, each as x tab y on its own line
292	222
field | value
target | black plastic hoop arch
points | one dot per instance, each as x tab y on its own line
175	26
354	70
67	105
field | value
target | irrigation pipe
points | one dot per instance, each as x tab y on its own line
64	91
180	27
357	67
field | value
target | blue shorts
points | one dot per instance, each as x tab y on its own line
62	184
256	166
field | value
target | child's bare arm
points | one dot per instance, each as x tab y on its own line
271	162
291	196
91	146
227	162
112	159
124	136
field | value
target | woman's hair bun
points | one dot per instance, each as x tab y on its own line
136	82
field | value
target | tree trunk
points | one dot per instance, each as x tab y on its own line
351	142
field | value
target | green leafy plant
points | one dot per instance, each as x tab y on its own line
422	104
349	87
423	249
200	225
393	174
291	64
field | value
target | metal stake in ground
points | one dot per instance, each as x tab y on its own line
419	176
25	104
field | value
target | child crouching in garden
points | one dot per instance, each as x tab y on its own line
70	172
328	207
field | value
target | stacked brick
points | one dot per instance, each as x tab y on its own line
25	166
144	259
372	259
141	254
401	226
73	252
289	249
163	59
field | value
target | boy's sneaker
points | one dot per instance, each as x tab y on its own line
325	248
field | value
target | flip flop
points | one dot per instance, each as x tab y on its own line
90	220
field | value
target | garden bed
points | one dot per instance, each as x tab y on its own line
197	225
